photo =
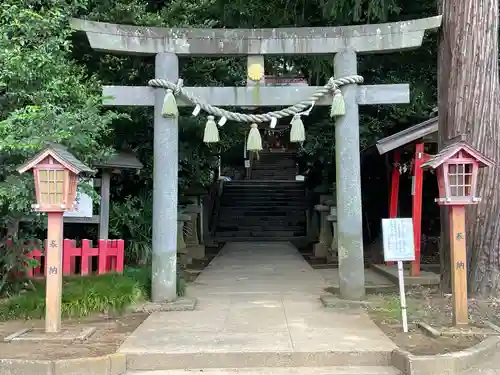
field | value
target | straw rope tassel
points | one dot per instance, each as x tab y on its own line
338	104
211	134
297	132
254	140
169	105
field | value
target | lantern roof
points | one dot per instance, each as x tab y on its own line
62	155
452	149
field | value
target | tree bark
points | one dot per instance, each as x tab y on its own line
468	96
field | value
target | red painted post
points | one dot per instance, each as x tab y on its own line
418	175
69	254
111	255
36	254
120	256
394	193
102	257
86	253
77	251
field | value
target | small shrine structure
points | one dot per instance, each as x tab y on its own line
414	139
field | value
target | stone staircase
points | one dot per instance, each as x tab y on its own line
260	210
274	166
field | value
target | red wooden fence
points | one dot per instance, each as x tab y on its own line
109	253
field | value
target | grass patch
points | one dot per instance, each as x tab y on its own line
83	296
387	307
143	277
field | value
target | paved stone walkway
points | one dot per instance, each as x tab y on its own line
258	306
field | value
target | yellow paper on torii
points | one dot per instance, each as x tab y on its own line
255	72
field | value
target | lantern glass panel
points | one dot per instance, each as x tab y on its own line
460	179
51	183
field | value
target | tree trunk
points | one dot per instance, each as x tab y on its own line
469	104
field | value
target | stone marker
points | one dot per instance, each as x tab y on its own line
332	255
321	248
194	248
167	44
182	219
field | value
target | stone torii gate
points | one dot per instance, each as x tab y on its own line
168	44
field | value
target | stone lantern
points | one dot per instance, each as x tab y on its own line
56	178
457	168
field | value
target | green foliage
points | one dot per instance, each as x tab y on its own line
44	95
13	262
132	220
82	296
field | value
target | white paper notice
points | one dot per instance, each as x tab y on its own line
398	239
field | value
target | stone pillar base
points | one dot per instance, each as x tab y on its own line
320	250
332	256
185	257
196	251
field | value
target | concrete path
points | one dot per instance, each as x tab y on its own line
258	306
335	370
490	366
258	268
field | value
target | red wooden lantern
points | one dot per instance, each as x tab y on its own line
456	169
56	173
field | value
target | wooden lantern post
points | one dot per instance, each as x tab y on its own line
56	179
457	168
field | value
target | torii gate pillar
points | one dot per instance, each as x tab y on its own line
348	185
165	187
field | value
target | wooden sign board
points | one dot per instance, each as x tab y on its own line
398	239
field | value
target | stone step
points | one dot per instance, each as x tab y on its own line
369	361
272	176
264	176
265	218
259	217
270	232
228	227
269	204
275	168
296	240
265	188
333	370
263	192
275	162
249	225
299	200
274	207
260	234
299	194
270	158
296	199
277	184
